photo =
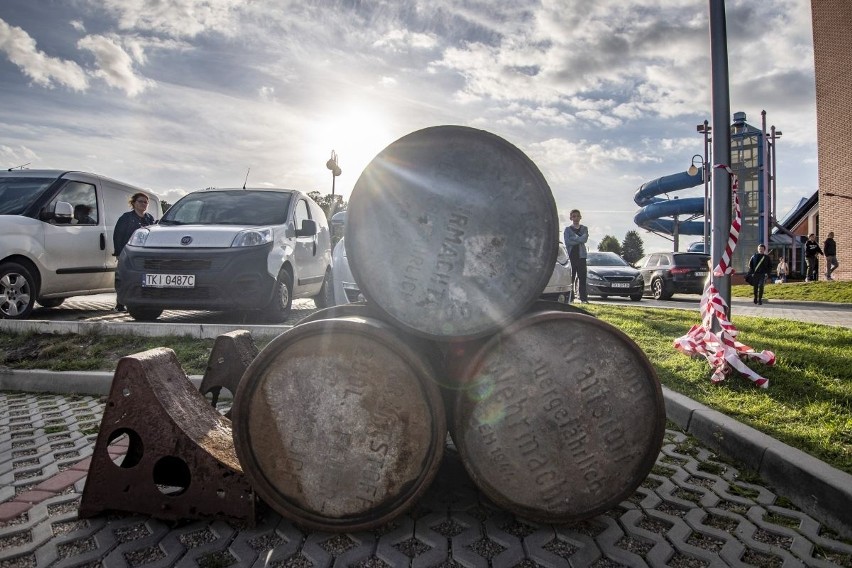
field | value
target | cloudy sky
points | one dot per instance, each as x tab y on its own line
178	95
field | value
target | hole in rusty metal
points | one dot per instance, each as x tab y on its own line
171	475
126	447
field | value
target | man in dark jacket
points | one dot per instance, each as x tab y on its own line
811	251
830	250
759	267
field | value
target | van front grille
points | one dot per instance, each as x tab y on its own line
176	264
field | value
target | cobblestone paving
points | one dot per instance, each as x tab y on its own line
692	511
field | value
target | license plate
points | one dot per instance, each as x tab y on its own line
701	274
169	281
621	285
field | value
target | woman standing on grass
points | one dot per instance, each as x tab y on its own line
759	267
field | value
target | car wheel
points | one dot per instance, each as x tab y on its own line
325	298
279	308
636	297
17	291
51	302
658	289
144	314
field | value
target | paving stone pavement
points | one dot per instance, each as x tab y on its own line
693	510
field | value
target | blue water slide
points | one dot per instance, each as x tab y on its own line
657	214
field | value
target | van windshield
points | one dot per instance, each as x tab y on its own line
237	207
18	193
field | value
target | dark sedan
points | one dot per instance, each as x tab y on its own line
667	273
610	275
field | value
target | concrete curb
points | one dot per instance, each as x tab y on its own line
813	485
817	488
95	383
158	329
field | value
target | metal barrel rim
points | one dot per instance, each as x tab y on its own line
323	500
521	442
452	232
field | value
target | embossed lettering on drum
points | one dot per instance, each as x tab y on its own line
563	417
452	232
339	424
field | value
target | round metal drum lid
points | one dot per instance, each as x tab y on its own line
564	420
452	231
338	426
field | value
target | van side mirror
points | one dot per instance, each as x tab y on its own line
309	228
63	212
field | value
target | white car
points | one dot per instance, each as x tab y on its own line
346	290
229	249
559	286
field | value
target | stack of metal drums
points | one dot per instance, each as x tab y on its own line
452	234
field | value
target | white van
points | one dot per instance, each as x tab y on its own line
56	236
249	250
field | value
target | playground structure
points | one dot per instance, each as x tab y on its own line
753	161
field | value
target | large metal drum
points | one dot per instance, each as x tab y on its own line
563	417
338	424
452	232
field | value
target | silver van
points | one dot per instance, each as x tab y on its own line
251	250
56	236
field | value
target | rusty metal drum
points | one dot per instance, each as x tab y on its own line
338	425
452	232
563	417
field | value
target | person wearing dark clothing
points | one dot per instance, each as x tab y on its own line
127	224
759	267
830	250
82	215
575	238
811	251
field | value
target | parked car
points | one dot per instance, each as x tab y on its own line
667	273
610	275
697	246
56	236
229	249
346	290
559	286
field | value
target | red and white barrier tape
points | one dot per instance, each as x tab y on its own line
724	353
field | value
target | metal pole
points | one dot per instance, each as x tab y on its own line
765	182
720	98
706	174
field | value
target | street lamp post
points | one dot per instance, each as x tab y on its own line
335	169
705	129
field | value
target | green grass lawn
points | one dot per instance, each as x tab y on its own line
820	291
808	404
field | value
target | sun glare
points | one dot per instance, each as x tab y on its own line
356	135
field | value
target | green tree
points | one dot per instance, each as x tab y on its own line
329	203
632	247
610	244
164	205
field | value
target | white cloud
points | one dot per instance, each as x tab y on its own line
402	40
174	18
44	70
114	65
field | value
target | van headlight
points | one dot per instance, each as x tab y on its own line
138	238
253	237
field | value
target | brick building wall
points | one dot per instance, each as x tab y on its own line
832	22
